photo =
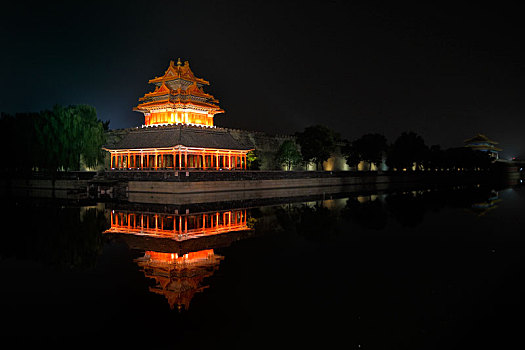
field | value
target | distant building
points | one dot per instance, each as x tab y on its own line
481	142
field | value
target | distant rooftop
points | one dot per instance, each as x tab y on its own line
480	138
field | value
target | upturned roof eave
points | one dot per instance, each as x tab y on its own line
480	138
166	103
164	79
176	147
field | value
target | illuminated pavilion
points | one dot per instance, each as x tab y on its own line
178	131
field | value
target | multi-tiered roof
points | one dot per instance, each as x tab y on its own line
481	142
179	99
178	132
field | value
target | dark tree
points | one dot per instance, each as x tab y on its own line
92	136
317	143
350	153
53	140
466	158
288	154
369	148
70	134
408	150
435	158
253	160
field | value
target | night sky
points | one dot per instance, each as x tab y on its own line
445	72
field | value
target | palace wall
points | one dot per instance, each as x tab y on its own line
265	144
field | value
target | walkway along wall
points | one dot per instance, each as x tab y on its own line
201	190
225	186
206	186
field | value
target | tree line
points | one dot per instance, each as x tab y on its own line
67	137
316	144
62	138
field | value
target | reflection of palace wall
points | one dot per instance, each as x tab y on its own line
314	189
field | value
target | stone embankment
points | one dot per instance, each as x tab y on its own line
178	187
210	186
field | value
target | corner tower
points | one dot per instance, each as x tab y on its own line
482	143
178	99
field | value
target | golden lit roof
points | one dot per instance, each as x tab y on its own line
193	89
179	71
180	93
166	103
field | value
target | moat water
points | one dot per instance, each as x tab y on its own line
426	269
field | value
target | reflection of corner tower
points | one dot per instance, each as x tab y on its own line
179	278
178	99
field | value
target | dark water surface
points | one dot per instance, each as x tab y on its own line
428	269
